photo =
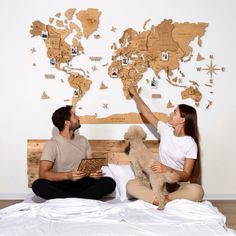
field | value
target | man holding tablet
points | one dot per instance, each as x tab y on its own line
59	176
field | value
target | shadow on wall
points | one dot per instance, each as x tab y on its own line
55	131
153	131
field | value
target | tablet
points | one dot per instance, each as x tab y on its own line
91	165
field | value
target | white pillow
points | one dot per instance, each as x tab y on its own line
107	172
122	174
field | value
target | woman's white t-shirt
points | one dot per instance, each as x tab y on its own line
173	150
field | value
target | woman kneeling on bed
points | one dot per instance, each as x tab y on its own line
179	151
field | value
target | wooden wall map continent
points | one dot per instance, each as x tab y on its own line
59	51
161	48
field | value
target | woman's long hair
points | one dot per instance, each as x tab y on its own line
191	129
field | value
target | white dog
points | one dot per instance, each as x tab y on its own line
142	159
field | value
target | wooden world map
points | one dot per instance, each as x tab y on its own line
162	47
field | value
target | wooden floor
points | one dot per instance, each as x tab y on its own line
6	203
226	207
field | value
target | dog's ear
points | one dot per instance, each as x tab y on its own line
126	136
144	136
127	149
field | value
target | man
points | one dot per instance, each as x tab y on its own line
58	174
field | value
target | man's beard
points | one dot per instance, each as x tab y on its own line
79	125
75	127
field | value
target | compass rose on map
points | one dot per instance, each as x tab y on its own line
211	69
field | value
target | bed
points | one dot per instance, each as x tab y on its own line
116	214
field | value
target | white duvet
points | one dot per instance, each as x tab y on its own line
90	217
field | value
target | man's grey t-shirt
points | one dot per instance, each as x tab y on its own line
66	154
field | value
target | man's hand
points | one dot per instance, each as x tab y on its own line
75	175
97	175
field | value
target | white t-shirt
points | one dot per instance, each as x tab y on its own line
66	154
173	150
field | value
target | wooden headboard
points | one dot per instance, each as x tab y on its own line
113	150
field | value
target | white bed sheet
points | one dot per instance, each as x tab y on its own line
82	217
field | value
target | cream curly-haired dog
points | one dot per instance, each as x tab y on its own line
142	159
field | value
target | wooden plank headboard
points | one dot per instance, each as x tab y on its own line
113	150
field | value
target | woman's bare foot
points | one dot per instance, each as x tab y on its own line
156	202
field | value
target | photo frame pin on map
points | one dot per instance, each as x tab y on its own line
76	92
74	51
114	73
44	35
125	61
165	56
154	83
53	62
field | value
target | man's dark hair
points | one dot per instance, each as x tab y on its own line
60	116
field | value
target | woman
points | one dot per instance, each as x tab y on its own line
179	151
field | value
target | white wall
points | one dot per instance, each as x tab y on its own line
25	116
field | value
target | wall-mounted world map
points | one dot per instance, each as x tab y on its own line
161	48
